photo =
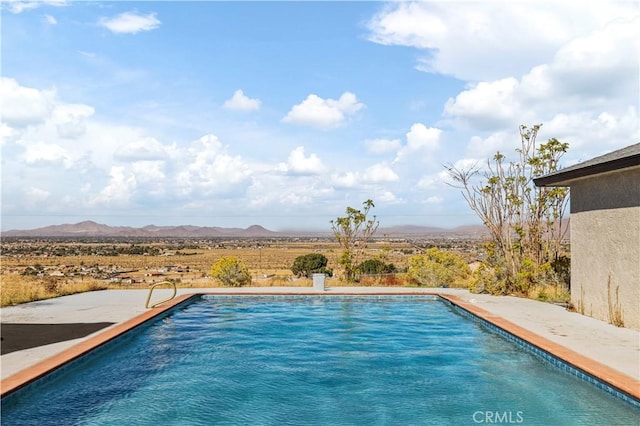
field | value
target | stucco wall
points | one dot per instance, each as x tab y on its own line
605	246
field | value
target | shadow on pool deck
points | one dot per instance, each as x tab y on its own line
17	337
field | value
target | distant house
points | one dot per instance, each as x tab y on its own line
122	280
605	234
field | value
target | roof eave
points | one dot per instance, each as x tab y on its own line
563	178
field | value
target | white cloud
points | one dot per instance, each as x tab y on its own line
51	20
386	197
279	194
423	137
149	171
467	163
587	94
6	133
105	141
598	131
71	119
579	77
597	67
16	6
290	197
41	152
323	113
240	102
159	173
211	170
119	190
27	105
420	140
130	23
298	164
382	146
146	149
502	141
35	195
345	180
151	178
597	71
428	182
40	128
433	200
373	175
487	105
88	163
379	173
462	164
489	40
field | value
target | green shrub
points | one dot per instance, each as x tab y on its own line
437	268
230	271
531	281
375	267
487	280
312	263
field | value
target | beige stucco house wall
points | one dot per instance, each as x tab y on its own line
605	235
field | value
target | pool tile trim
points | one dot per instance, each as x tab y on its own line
606	378
600	375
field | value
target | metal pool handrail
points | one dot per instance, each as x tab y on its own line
175	291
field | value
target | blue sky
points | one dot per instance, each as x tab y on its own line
284	113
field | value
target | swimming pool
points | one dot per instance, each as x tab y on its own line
314	360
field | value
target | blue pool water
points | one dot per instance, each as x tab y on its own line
314	361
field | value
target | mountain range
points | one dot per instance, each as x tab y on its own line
93	229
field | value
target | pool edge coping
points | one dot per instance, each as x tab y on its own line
602	372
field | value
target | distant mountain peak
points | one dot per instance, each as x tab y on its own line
89	228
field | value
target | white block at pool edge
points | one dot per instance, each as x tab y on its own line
318	281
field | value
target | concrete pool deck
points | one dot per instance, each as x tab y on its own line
612	352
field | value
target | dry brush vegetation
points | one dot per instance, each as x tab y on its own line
45	269
29	273
17	289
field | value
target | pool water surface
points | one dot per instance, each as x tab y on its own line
339	360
